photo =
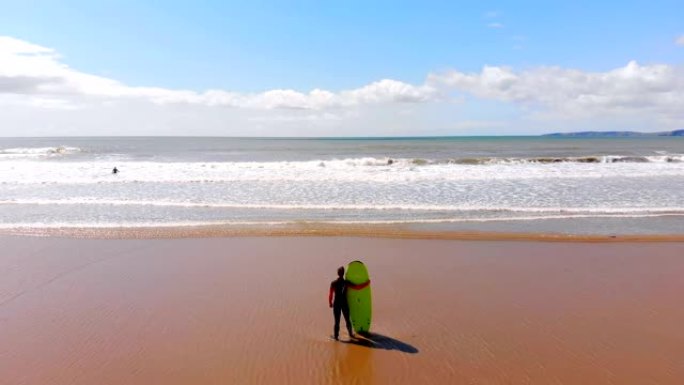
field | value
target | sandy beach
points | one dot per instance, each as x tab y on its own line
248	310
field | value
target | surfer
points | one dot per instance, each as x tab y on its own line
115	170
338	291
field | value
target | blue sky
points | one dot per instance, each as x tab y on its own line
254	47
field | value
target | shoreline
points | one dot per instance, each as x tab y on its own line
313	229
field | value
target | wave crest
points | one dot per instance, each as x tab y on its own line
33	152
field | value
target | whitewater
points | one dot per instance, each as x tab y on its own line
508	184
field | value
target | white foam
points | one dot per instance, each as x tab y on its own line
374	170
568	211
170	224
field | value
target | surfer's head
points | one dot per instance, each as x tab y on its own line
340	271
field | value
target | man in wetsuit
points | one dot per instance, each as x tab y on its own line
338	291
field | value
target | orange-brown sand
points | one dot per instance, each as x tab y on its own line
254	310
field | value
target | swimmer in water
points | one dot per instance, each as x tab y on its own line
115	170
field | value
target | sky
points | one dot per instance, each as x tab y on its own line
352	68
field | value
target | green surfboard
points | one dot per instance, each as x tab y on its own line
360	304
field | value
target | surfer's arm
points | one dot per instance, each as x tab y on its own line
330	295
358	287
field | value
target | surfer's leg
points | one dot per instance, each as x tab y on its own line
336	313
345	312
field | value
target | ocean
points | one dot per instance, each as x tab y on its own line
518	184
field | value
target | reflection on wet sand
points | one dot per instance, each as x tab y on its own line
351	364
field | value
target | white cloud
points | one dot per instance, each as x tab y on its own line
656	90
495	25
388	90
29	69
680	41
41	95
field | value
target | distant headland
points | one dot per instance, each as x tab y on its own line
615	134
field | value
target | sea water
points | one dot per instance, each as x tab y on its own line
567	185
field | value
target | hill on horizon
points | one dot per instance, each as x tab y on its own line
615	134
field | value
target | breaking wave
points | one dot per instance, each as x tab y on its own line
37	152
372	170
672	158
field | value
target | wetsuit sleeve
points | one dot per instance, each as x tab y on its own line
330	295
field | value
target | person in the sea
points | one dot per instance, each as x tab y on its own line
115	170
337	299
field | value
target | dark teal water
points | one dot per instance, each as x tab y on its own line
175	149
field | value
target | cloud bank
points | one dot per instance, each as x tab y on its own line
655	90
41	95
29	69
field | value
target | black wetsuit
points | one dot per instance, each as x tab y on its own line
340	305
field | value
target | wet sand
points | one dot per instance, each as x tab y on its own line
254	310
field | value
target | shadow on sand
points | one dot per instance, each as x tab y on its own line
379	341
